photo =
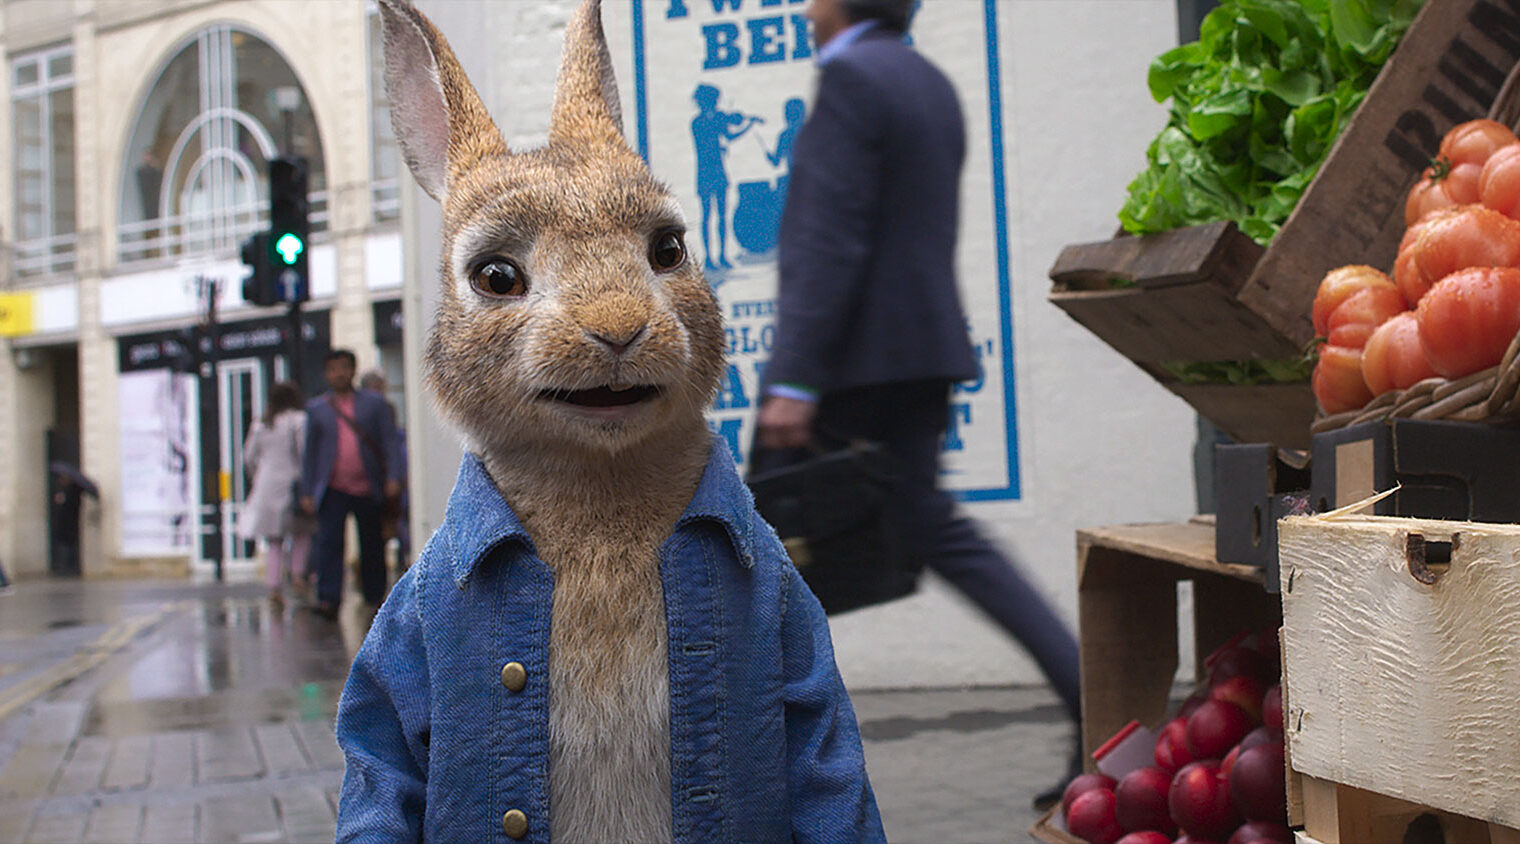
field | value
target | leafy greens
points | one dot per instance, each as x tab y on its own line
1257	101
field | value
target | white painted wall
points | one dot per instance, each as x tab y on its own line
1099	442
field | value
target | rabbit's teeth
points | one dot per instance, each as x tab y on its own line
604	396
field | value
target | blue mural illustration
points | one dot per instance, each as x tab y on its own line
757	218
712	131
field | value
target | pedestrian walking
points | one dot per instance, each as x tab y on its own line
351	464
870	332
271	513
70	486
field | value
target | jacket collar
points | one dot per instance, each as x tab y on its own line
478	520
722	498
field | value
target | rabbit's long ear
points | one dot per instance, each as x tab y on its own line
441	124
586	108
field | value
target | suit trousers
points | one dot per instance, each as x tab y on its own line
909	420
327	555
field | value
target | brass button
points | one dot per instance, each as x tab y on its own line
514	823
514	677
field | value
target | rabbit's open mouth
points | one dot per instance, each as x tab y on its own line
602	396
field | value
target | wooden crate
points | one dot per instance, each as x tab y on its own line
1335	813
1401	659
1173	297
1050	830
1208	293
1127	580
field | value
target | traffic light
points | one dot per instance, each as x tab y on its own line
286	246
260	286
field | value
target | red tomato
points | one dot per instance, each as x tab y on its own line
1468	236
1474	141
1393	358
1499	182
1337	380
1442	186
1453	175
1468	319
1341	284
1356	318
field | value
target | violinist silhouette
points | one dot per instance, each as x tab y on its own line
712	131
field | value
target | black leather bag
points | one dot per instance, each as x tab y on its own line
831	512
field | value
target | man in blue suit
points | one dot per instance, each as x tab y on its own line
870	334
352	465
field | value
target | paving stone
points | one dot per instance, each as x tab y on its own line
306	815
169	824
226	754
31	770
55	722
320	742
280	749
129	764
84	766
55	829
14	820
173	760
114	824
233	820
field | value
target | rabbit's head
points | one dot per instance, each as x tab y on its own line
570	313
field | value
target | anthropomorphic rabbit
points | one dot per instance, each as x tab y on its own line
602	642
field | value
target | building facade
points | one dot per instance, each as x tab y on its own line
135	167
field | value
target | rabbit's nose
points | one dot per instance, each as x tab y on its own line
620	341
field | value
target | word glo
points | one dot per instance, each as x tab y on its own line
765	38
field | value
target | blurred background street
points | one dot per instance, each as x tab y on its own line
172	711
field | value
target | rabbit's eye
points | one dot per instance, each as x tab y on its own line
498	276
666	251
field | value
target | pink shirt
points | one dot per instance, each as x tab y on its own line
348	469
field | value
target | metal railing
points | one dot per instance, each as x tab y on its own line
45	255
201	232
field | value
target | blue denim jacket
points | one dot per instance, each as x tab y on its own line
764	744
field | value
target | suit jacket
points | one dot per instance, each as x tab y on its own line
375	418
867	243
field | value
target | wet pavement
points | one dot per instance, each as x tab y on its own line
172	711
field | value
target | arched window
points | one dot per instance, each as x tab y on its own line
195	179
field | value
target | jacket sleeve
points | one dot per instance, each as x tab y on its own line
309	451
825	241
383	726
390	440
831	797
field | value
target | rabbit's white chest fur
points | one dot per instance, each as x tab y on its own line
609	713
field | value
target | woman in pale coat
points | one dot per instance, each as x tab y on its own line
273	454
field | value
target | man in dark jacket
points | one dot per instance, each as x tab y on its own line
352	464
870	334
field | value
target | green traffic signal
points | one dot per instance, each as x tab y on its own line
289	247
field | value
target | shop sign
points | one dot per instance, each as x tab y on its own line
17	314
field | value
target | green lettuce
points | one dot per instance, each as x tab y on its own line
1256	103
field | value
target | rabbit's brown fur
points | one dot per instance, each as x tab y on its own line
597	492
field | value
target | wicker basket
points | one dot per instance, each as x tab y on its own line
1486	396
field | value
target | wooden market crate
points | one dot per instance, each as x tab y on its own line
1127	578
1208	293
1401	670
1051	830
1334	813
1174	297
